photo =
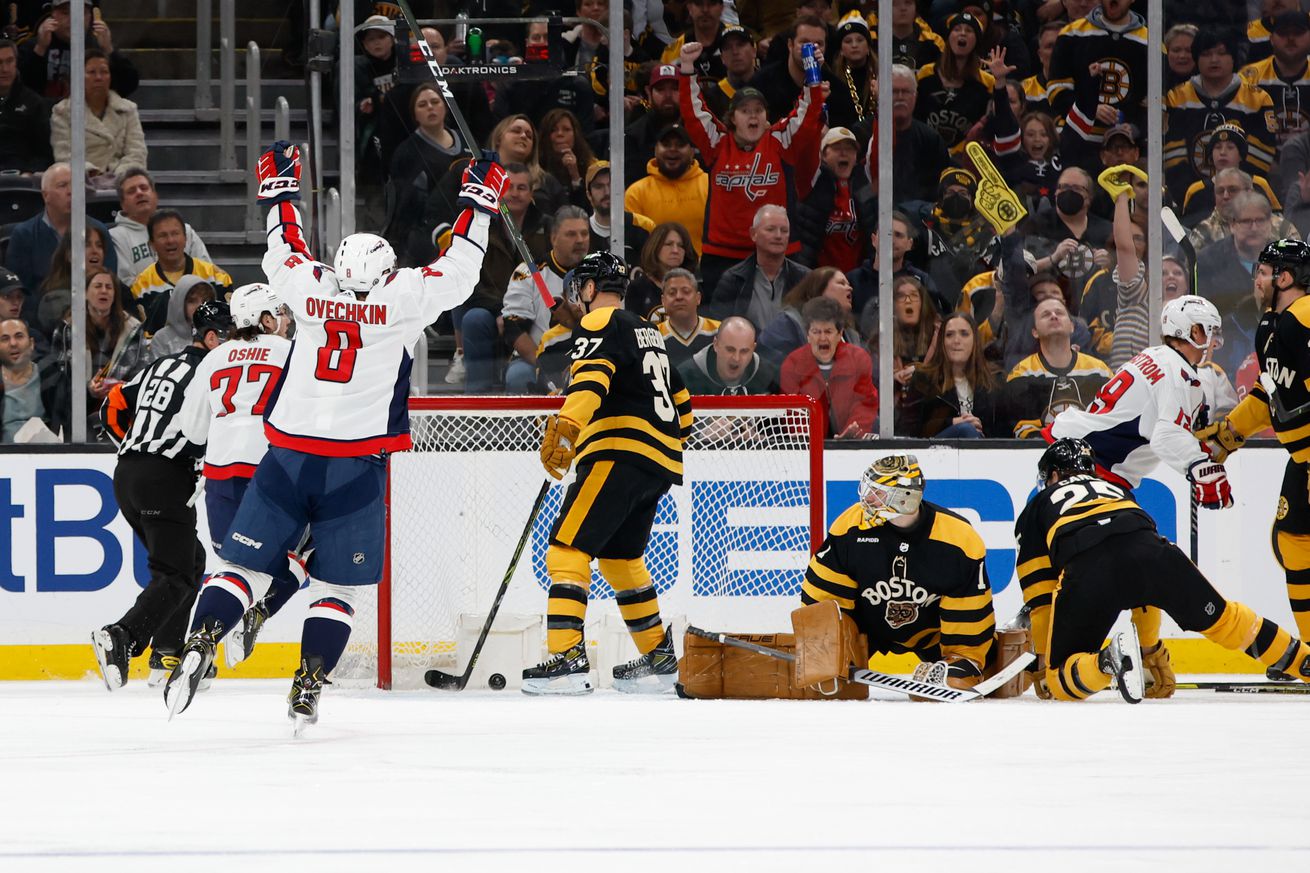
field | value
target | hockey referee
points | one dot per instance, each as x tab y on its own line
155	485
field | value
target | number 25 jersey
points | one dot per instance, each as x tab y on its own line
624	395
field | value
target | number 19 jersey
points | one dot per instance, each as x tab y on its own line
629	402
345	389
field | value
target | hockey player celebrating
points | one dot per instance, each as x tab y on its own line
911	573
224	411
625	419
1281	398
339	408
1142	416
1089	533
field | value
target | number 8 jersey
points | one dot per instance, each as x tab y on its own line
1142	416
629	402
345	389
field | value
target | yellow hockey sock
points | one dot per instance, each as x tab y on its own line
1078	678
566	605
636	599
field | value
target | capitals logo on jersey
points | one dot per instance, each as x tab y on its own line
901	594
753	181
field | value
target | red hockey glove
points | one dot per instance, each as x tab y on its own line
484	184
278	173
1210	484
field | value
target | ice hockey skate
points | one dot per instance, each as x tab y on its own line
113	651
564	673
306	686
652	673
241	642
162	665
197	661
1122	659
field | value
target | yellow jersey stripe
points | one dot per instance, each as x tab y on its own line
1027	568
827	574
587	494
630	422
631	447
968	629
818	594
964	604
1101	506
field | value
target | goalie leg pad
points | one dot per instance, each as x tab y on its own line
570	577
1078	678
828	644
1010	644
328	623
636	599
712	671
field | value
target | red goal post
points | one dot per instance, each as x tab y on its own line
728	547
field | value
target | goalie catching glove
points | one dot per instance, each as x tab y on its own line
1160	680
483	185
1220	440
558	446
278	173
1210	484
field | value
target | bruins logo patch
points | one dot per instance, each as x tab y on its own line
900	613
1282	509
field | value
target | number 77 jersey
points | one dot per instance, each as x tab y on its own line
1142	416
628	401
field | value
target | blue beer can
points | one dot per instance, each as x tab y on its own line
813	74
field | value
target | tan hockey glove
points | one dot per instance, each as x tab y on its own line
558	446
1038	670
1160	680
1220	439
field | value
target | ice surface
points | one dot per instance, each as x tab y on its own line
91	781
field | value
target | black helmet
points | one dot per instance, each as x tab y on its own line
1065	456
211	315
1291	255
607	270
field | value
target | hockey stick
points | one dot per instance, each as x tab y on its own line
449	682
883	681
1175	229
1248	687
467	133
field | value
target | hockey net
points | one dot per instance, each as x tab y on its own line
728	548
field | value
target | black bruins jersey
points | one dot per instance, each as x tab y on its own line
1190	117
1062	520
1121	53
1282	346
922	47
922	590
625	395
953	111
1290	96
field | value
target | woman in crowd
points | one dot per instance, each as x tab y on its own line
914	332
853	96
114	138
58	282
419	164
1179	63
786	332
668	246
954	92
565	154
1035	173
953	395
837	374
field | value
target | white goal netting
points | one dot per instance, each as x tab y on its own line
728	547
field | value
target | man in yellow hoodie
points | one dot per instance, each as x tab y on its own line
676	187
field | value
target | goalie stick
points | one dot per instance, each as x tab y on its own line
450	682
467	134
884	681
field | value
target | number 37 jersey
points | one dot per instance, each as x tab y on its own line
628	401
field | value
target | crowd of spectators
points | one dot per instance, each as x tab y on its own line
750	195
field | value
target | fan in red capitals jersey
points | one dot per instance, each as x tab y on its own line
751	163
224	411
339	408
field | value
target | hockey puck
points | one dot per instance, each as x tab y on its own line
496	681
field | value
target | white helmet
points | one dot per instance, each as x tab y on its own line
363	260
250	302
1181	313
891	486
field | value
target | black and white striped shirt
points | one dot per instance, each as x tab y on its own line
153	403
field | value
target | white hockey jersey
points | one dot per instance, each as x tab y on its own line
1142	416
345	389
225	403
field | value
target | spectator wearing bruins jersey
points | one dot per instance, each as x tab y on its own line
1098	78
625	417
1087	552
910	573
1055	378
1035	87
914	43
685	330
1226	149
1285	74
955	92
1215	95
1281	397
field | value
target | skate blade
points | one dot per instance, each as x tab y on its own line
156	678
573	685
298	725
657	684
180	685
102	642
234	649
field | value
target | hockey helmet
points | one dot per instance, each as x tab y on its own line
1292	255
607	270
891	486
211	315
1182	313
362	261
1066	456
250	302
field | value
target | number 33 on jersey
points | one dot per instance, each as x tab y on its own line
628	401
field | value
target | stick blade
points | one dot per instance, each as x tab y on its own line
443	681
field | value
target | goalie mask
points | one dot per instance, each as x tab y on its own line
891	486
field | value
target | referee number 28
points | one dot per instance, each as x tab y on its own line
656	366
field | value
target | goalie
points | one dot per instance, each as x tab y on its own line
910	573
